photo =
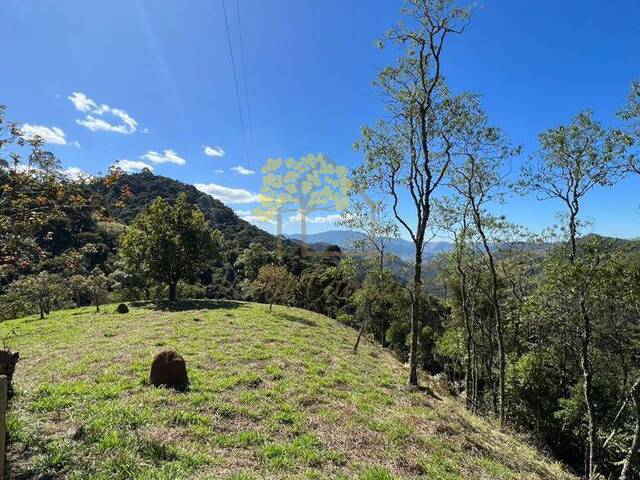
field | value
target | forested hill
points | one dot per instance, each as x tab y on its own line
145	187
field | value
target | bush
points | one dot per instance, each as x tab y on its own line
122	308
347	320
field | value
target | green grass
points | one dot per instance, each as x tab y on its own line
276	395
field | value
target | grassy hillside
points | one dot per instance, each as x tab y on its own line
272	396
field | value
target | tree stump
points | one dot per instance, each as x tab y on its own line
122	308
169	369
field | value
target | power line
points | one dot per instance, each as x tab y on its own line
235	81
246	87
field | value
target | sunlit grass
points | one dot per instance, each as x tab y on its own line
276	395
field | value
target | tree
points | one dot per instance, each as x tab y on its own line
478	181
97	285
275	282
368	218
30	193
252	259
631	458
38	203
40	292
169	243
575	158
408	155
379	303
631	116
453	216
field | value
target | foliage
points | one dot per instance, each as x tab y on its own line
170	243
275	283
40	293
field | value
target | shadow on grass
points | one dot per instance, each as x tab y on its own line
182	305
425	389
294	318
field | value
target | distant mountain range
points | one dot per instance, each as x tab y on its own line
345	239
404	249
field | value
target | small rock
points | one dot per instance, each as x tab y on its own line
170	370
122	308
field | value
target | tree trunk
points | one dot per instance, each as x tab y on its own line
415	318
270	305
360	332
497	313
41	310
469	336
632	454
585	362
172	291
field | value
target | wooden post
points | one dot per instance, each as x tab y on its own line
3	413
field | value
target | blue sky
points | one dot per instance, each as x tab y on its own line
152	82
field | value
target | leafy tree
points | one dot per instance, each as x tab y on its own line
368	217
379	302
326	288
97	285
40	292
478	180
169	243
42	211
407	155
630	114
574	159
252	259
30	193
275	282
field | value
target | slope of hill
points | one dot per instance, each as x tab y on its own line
397	246
146	187
277	395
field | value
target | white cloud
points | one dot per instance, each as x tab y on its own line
242	171
131	165
145	130
76	144
218	170
248	216
82	102
226	194
125	125
75	173
52	135
213	151
168	156
320	219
